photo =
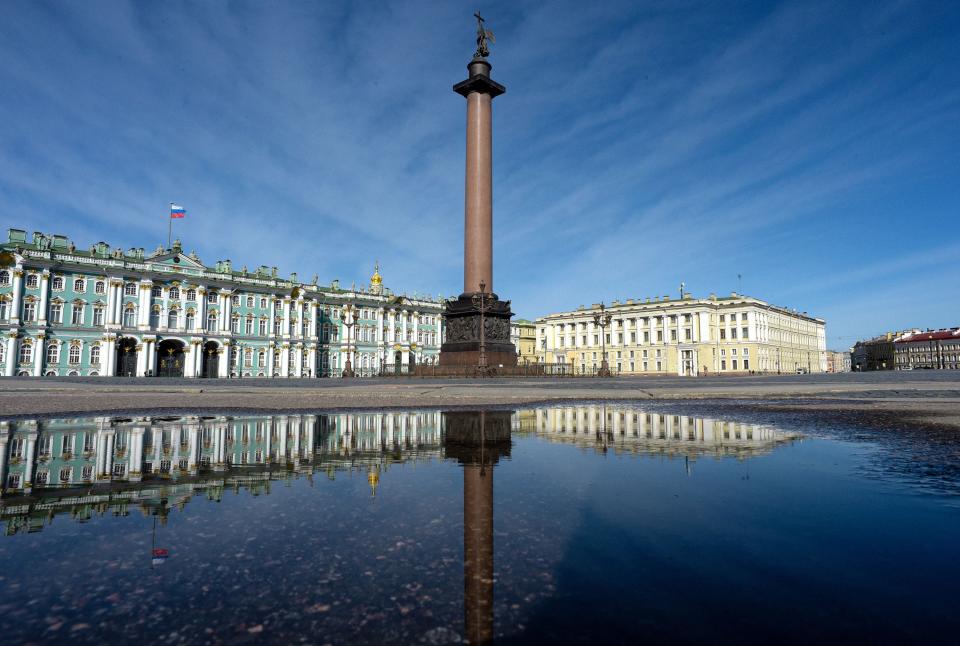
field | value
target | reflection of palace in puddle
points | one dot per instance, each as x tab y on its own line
93	465
629	431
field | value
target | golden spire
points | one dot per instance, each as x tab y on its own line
373	479
376	279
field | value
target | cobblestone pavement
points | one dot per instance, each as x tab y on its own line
930	395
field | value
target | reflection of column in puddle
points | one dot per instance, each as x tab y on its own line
477	440
478	552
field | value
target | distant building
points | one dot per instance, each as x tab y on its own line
930	350
523	334
873	354
686	336
838	361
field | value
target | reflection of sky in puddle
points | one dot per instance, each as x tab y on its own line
382	527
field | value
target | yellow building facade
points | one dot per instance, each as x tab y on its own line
523	333
686	336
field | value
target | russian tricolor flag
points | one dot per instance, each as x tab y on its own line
159	555
177	211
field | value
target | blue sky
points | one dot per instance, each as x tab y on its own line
813	147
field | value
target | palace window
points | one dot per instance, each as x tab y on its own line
744	333
723	333
95	355
130	289
659	366
733	333
130	317
29	311
98	316
56	313
76	314
746	364
673	335
33	281
4	278
235	301
249	301
57	283
42	478
65	474
211	322
276	326
235	325
659	336
191	294
734	364
156	292
53	354
723	364
261	359
173	319
154	318
263	303
99	287
73	356
174	293
189	320
248	326
688	334
66	447
248	358
79	285
262	327
211	297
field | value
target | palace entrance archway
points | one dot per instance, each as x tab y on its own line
210	367
126	357
170	358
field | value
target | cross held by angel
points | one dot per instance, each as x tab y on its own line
483	36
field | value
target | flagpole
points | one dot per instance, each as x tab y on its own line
170	227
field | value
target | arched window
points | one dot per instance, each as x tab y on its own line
173	319
191	294
156	292
130	289
74	356
261	327
130	317
154	318
174	293
26	353
235	325
4	278
248	358
76	314
189	320
261	359
57	283
100	287
98	316
33	281
53	354
3	308
212	322
79	286
95	355
248	326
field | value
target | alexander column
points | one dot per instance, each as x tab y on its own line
466	343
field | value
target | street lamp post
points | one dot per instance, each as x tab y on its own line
348	322
603	320
482	304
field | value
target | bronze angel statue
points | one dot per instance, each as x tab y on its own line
483	35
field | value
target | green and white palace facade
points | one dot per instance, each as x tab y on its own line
104	311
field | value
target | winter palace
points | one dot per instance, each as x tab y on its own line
108	311
687	336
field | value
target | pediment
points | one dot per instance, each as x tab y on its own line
175	259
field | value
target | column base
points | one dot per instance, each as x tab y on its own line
462	346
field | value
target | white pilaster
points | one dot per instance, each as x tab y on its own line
44	296
16	294
38	350
223	366
11	359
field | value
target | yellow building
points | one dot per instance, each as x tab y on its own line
686	336
523	333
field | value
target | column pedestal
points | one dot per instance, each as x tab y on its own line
462	345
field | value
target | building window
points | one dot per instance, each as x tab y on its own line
57	283
733	364
53	354
173	319
130	317
130	289
3	309
66	447
211	297
189	320
235	325
248	358
4	278
98	316
745	333
174	293
33	281
276	326
65	474
79	286
95	355
723	364
56	313
262	327
99	287
263	303
249	301
29	311
76	314
73	356
191	294
156	292
248	326
211	322
154	318
746	364
261	359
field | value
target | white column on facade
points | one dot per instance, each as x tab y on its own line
224	319
223	365
4	436
113	296
143	318
285	326
108	455
314	328
12	357
193	435
152	356
298	360
141	359
135	451
273	316
270	348
44	296
190	360
200	319
38	350
16	294
392	316
282	439
312	359
31	438
285	360
416	325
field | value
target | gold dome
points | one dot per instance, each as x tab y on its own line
376	279
373	479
